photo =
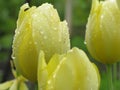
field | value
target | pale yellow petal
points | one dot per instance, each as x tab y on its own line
23	86
6	85
42	71
25	55
75	72
14	86
49	33
118	3
102	32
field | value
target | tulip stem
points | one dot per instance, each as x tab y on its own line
36	86
109	76
115	72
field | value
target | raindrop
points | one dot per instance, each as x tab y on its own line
45	37
18	32
85	42
55	28
13	57
102	16
41	32
71	50
59	40
54	75
49	81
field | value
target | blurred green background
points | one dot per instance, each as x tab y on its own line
76	13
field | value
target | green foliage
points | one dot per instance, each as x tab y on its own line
8	15
81	9
78	41
104	81
9	11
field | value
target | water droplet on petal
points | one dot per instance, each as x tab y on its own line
85	42
45	37
54	75
13	57
18	32
71	50
55	28
41	32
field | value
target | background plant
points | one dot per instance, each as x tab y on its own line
80	11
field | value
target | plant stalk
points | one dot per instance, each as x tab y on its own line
109	76
114	72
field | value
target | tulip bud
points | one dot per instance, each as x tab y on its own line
38	28
103	31
71	71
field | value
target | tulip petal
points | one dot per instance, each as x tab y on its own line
49	34
23	86
38	29
23	46
98	74
42	71
74	72
14	86
118	3
95	4
53	64
102	32
6	85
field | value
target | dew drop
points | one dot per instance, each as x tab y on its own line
71	50
59	39
13	57
18	32
45	37
49	81
54	75
55	28
41	32
15	31
50	85
85	42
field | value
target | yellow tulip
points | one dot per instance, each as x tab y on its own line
71	71
103	31
38	28
118	3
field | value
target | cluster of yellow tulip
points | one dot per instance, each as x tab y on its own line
41	47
